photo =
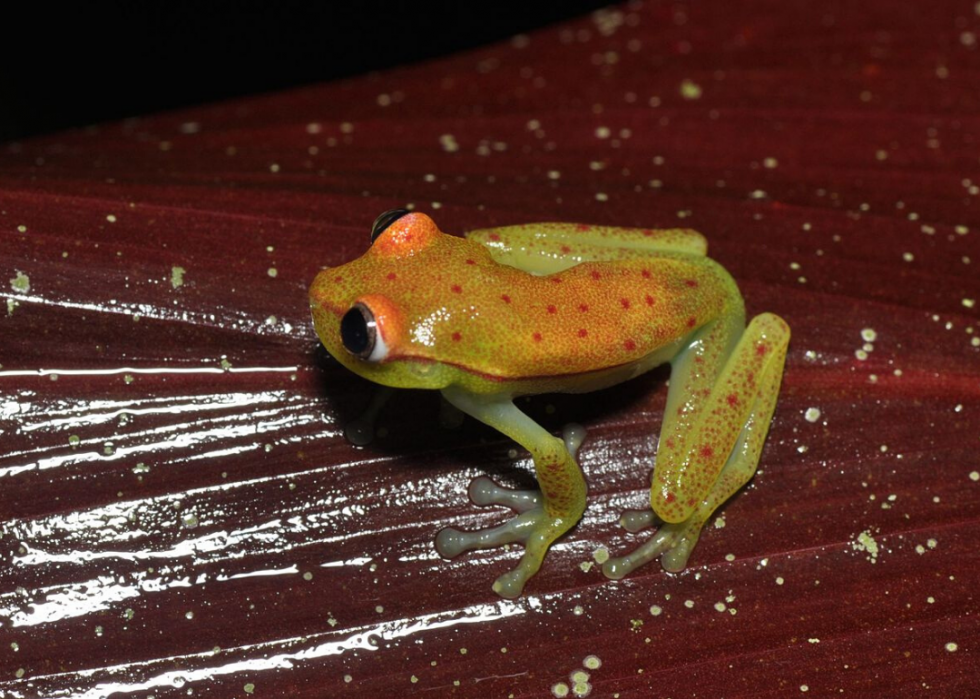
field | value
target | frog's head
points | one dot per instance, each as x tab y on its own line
362	310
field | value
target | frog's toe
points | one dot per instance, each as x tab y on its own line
359	432
484	491
638	520
450	542
673	543
573	435
510	584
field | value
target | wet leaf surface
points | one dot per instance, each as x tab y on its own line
181	511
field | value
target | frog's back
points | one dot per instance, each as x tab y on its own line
591	317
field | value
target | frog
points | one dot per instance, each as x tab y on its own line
519	310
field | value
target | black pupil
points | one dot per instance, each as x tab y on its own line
384	220
354	332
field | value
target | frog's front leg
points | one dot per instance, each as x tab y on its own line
714	428
542	516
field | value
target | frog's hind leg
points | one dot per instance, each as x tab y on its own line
542	516
674	541
547	248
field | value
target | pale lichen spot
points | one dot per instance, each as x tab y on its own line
560	690
177	276
866	543
20	282
689	603
770	163
975	476
592	662
690	90
448	143
249	688
812	414
869	335
720	606
601	196
111	218
600	555
22	229
656	610
780	580
952	647
969	303
272	272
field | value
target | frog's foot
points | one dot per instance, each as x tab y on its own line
673	543
533	526
360	431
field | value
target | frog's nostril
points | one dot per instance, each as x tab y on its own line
382	222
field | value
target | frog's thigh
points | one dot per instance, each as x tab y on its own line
695	445
675	541
546	248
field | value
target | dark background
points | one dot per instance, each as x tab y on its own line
74	64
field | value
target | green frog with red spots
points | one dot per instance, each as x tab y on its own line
558	307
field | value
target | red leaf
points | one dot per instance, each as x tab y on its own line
181	510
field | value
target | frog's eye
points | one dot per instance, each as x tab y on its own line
382	222
359	333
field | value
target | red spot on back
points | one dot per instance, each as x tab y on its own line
556	280
565	249
669	498
645	274
338	279
505	298
629	345
552	309
625	303
457	289
761	349
457	337
583	227
732	399
691	282
584	307
706	451
649	300
596	275
494	236
392	275
583	332
670	442
537	337
470	262
647	232
692	321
